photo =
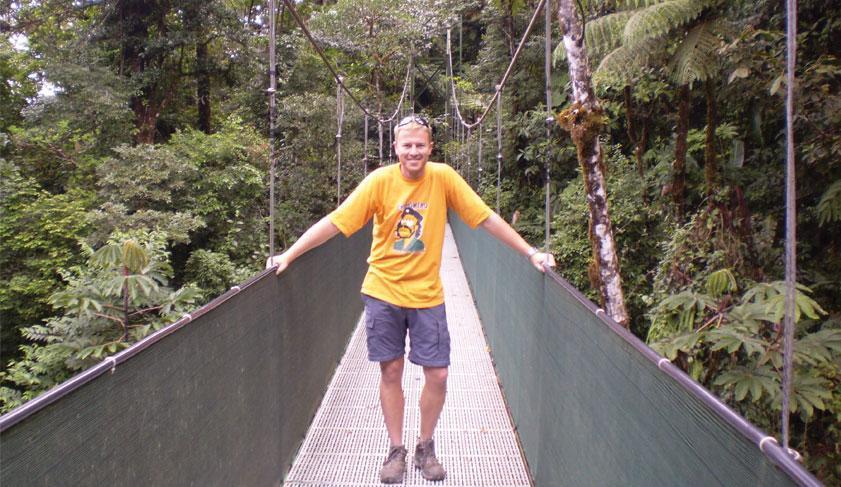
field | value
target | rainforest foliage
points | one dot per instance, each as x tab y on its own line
134	142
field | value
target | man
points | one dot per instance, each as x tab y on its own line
402	289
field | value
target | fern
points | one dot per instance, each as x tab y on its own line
660	19
604	34
591	6
624	63
829	208
634	4
695	59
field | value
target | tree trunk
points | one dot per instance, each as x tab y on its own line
639	150
203	86
125	303
508	27
135	18
679	168
630	129
584	120
637	141
195	18
710	168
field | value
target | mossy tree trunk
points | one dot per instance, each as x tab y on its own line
584	120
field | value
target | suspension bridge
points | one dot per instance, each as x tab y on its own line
267	385
227	394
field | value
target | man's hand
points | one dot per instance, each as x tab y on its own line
281	261
316	235
540	259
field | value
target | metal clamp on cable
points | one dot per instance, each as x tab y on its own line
765	440
188	317
113	363
794	454
236	289
663	361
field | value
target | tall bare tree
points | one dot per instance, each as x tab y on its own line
584	120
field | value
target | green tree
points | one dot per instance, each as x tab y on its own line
39	234
118	298
681	35
732	343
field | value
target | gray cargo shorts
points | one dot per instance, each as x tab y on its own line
386	326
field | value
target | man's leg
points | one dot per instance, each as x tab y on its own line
431	349
391	398
432	399
385	327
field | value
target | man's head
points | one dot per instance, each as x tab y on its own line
413	145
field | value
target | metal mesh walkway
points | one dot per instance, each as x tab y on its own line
475	441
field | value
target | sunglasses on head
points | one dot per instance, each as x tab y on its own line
416	119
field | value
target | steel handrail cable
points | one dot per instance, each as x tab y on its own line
504	76
335	73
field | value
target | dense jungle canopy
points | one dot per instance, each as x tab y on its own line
134	162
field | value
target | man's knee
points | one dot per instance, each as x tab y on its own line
436	376
392	371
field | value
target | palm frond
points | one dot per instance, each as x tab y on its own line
696	59
660	19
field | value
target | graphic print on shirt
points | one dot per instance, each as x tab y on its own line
410	229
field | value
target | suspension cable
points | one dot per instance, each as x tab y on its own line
365	149
791	221
498	145
340	117
479	160
466	146
411	84
380	129
289	4
272	109
547	67
504	76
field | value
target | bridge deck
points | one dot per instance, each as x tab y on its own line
347	441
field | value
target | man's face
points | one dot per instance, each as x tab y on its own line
413	148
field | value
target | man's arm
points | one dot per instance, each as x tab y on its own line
500	229
316	235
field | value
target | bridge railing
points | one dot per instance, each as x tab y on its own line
224	396
593	405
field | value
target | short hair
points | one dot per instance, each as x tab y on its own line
411	122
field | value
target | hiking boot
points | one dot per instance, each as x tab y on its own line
426	462
394	467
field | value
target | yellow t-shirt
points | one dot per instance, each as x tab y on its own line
409	221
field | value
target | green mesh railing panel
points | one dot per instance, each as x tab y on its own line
590	404
224	399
